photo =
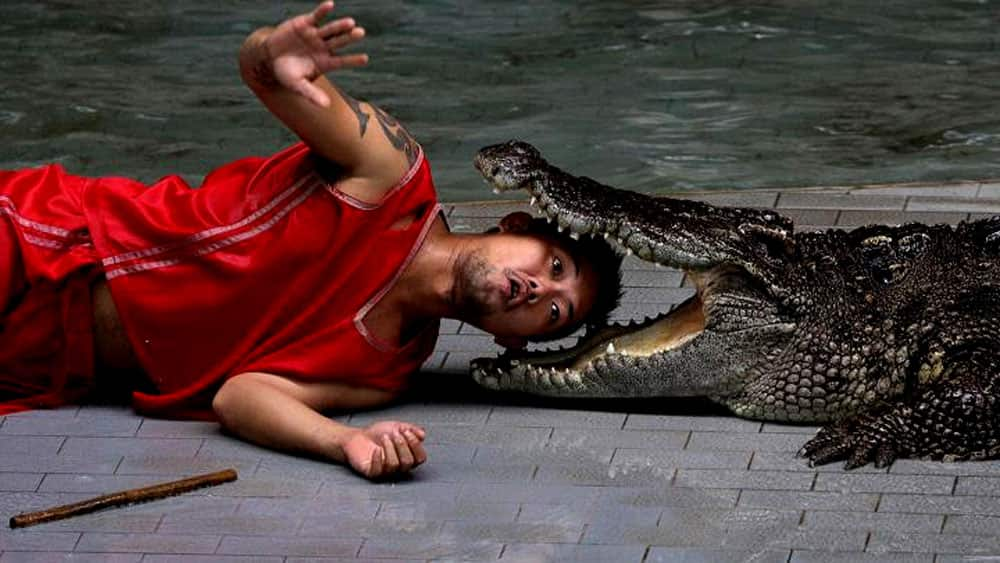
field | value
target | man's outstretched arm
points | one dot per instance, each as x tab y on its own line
283	414
285	66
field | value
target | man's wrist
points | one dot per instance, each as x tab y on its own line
336	442
255	60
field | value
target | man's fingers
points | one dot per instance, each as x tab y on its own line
416	447
344	39
417	431
305	31
391	458
313	93
403	452
376	464
336	28
344	61
320	12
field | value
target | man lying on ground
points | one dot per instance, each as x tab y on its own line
308	281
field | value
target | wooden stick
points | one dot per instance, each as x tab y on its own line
122	498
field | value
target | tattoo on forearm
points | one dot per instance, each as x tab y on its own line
397	135
356	108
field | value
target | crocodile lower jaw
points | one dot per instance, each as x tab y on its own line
617	344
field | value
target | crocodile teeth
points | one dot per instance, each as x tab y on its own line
557	379
611	348
545	377
574	236
496	190
533	201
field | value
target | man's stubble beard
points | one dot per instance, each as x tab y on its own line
472	290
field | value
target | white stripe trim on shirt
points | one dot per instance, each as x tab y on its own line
207	233
7	207
222	243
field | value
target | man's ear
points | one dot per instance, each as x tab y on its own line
516	342
516	222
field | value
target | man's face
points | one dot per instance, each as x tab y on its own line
521	285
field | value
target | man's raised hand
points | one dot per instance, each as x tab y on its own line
303	47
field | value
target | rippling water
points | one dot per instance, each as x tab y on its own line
654	96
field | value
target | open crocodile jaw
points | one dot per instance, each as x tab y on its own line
564	368
658	235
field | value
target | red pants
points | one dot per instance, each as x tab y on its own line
47	265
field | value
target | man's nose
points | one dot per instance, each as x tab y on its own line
536	290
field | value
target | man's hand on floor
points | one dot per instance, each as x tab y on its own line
385	449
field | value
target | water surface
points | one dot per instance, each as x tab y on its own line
655	96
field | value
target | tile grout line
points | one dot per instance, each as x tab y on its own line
201	445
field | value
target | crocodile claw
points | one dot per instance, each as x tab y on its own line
858	440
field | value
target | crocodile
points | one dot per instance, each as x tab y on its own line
887	337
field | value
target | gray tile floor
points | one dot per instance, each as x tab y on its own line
514	479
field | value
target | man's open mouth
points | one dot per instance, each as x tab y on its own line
515	289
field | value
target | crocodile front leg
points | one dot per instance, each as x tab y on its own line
957	418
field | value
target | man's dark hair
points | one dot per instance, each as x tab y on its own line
607	265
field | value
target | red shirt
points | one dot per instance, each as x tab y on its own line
267	267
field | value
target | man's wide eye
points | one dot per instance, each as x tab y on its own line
557	266
554	313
